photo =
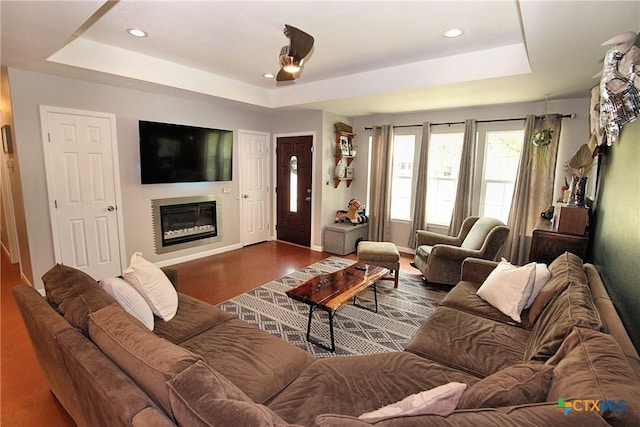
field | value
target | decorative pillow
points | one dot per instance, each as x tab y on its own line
149	360
516	385
74	294
129	299
153	285
508	287
441	400
542	277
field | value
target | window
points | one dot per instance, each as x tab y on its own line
402	177
496	168
500	168
445	150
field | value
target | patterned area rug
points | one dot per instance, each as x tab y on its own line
357	331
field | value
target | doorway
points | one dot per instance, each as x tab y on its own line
293	188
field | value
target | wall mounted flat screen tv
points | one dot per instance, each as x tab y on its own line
178	153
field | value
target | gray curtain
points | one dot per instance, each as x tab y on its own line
462	207
380	196
420	203
533	192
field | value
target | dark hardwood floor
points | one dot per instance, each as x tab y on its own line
25	399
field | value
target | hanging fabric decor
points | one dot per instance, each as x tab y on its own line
619	92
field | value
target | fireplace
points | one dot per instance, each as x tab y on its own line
185	222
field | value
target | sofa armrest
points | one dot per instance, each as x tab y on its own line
424	237
172	275
476	270
452	253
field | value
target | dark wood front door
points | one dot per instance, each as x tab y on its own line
293	189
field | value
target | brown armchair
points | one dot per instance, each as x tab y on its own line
440	257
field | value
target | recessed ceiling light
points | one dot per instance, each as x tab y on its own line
136	32
268	75
453	32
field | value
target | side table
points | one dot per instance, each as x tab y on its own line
548	243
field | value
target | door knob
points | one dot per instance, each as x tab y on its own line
246	196
111	208
308	199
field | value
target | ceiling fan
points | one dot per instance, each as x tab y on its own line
293	55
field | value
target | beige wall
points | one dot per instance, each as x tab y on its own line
30	90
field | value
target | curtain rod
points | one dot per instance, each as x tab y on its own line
564	116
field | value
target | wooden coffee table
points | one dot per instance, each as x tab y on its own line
328	292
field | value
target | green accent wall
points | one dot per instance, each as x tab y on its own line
615	248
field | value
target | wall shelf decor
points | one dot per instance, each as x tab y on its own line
344	153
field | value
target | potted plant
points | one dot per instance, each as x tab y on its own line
541	140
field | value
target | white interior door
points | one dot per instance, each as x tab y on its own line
81	178
254	186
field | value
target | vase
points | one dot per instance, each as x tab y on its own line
339	170
578	191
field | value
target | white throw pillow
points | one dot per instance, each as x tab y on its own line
129	299
441	400
508	287
153	285
542	277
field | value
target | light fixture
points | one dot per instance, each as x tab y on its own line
453	32
289	63
268	75
291	68
136	32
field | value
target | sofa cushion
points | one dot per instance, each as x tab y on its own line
201	396
564	269
515	385
591	366
129	299
354	385
259	363
474	344
572	307
154	286
464	297
545	414
74	294
149	360
192	318
440	400
508	287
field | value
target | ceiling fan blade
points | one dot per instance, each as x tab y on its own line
283	76
300	44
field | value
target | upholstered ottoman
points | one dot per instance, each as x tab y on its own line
383	254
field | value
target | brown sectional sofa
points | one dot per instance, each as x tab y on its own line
207	368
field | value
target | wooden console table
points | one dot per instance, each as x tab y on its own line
548	243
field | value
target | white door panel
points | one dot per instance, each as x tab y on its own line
82	189
254	178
